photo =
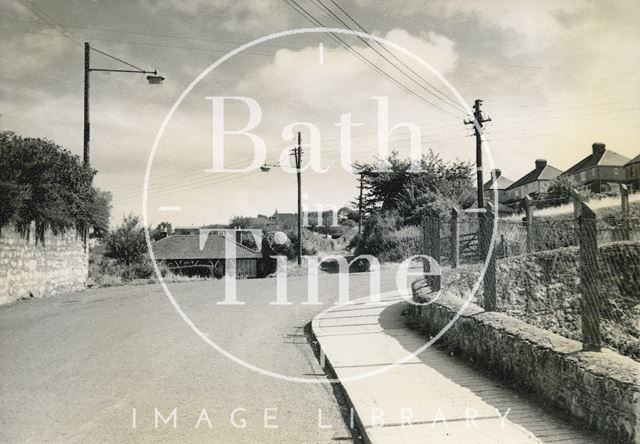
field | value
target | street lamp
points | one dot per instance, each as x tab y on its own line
153	78
296	152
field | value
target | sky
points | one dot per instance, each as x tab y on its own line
554	77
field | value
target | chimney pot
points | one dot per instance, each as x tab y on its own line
598	148
541	163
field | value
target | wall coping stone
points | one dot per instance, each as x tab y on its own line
603	368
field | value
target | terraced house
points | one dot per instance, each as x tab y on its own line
602	171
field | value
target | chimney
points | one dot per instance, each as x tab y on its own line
598	148
238	235
496	173
540	164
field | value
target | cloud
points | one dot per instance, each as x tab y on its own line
530	25
342	80
233	15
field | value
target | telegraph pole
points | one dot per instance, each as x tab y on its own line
360	206
477	122
85	152
297	153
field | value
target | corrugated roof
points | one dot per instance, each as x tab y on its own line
546	173
188	247
604	158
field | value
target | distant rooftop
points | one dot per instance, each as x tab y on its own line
188	247
600	156
542	171
502	183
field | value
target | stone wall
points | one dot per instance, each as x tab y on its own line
601	389
27	269
543	289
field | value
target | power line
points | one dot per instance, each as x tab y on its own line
444	97
302	11
48	21
150	34
156	45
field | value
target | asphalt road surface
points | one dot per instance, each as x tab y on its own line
97	365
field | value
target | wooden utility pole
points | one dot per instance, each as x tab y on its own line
489	280
297	153
528	202
360	206
624	206
455	239
588	263
85	151
477	122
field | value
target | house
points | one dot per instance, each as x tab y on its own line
602	171
497	184
632	173
184	231
184	253
534	182
285	221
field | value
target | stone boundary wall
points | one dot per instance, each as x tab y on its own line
28	269
543	289
600	389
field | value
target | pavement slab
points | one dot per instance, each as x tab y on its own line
428	397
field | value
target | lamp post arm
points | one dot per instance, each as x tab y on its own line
124	70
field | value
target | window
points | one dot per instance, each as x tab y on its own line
615	171
593	172
604	188
582	175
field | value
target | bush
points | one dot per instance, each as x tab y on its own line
385	238
126	243
43	183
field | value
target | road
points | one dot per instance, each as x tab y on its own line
94	366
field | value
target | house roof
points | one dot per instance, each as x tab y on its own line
546	173
605	157
634	160
502	183
188	247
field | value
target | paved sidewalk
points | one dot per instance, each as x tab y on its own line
431	398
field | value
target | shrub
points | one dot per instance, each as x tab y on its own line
43	183
385	238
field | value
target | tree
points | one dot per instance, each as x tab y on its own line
559	191
436	187
161	231
100	212
43	183
126	243
240	222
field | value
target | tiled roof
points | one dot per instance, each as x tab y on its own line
605	158
188	247
611	158
634	160
546	173
502	183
